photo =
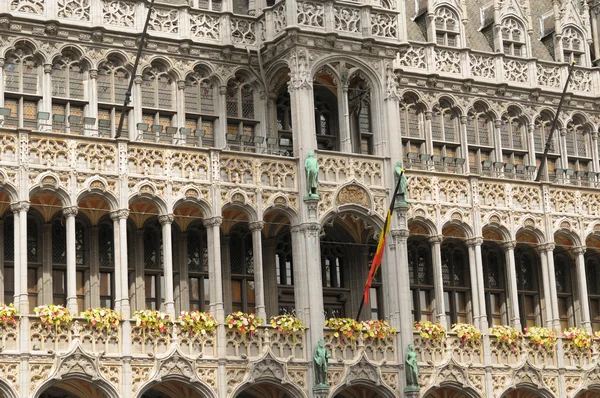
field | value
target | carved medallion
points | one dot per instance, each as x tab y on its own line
353	194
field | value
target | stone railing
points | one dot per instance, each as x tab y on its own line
345	349
282	345
496	68
58	338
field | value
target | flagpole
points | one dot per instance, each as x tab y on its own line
554	122
134	71
388	220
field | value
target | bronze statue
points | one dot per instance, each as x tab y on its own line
312	175
412	368
320	358
403	191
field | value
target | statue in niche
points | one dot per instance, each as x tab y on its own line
411	369
321	357
312	176
403	191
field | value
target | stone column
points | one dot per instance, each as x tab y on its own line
259	290
312	257
225	267
46	277
214	267
552	283
428	137
301	279
474	287
478	286
180	98
562	148
70	213
221	125
114	216
582	288
166	220
140	286
46	104
464	143
137	107
531	145
546	253
498	140
270	277
2	85
15	208
344	117
595	158
92	108
438	280
511	286
94	296
123	215
184	289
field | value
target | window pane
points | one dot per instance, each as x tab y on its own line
250	292
105	284
58	282
236	291
529	306
206	291
424	300
150	285
194	289
79	283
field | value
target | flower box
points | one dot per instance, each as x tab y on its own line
506	335
466	332
344	327
53	315
430	330
540	336
580	338
8	314
197	322
102	318
244	323
155	321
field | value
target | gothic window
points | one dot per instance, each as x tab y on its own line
154	280
200	105
577	137
107	264
447	27
158	113
494	284
359	102
526	264
242	269
197	263
479	126
284	267
592	271
59	262
421	283
239	100
21	87
513	130
325	102
411	119
513	38
241	7
444	123
112	83
284	113
456	279
573	46
332	265
564	288
542	127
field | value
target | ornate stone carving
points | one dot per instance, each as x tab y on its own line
212	222
70	211
166	219
353	194
300	63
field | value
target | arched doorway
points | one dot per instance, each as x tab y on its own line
447	392
172	388
523	393
589	394
262	390
74	388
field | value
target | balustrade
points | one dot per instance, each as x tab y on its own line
282	345
343	348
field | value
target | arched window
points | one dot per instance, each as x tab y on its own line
447	27
573	45
411	118
495	284
21	77
107	263
240	111
564	289
359	103
578	153
154	280
542	127
479	138
592	273
526	263
112	82
456	278
242	269
513	130
444	123
200	105
284	113
68	93
158	93
332	266
197	262
326	104
421	284
513	38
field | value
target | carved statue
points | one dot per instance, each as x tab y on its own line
402	192
320	358
412	368
312	176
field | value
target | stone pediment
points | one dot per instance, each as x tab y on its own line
268	367
76	361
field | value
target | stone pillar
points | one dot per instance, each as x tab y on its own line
595	158
225	267
214	267
562	148
70	213
474	285
270	277
184	289
498	140
92	108
464	143
166	220
312	257
344	117
180	99
259	290
17	246
546	253
531	145
114	216
480	286
94	296
2	85
123	215
46	277
582	288
140	286
301	279
46	103
428	138
221	126
137	107
438	280
511	286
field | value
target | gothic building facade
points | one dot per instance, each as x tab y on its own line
200	203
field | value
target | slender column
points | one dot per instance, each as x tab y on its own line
17	272
398	280
184	289
595	155
47	90
582	288
2	85
428	136
46	277
166	220
221	127
180	117
552	284
546	285
70	213
137	107
474	285
464	146
226	273
498	140
140	288
94	296
270	277
123	215
301	280
344	119
562	148
312	255
531	145
2	273
480	287
214	267
511	276
92	108
438	280
259	288
114	216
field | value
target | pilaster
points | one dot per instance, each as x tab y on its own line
256	228
582	288
513	293
70	213
166	221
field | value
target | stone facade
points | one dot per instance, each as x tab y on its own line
200	203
